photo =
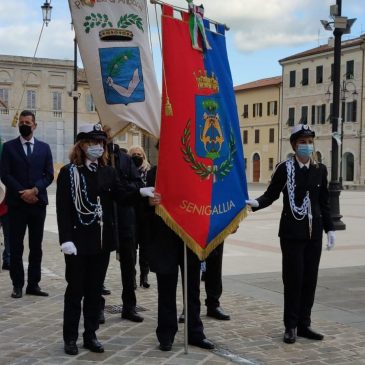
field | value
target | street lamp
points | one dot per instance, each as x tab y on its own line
340	25
46	12
344	90
75	94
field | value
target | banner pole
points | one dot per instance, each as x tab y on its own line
185	300
178	8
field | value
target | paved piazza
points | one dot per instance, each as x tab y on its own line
31	327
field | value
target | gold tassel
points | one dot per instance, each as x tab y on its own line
168	107
15	120
190	242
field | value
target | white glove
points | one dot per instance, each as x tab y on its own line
68	248
148	191
331	237
252	203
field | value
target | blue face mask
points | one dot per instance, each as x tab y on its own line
94	152
305	150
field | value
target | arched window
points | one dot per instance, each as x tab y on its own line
256	167
348	166
319	156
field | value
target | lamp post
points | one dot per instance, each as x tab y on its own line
343	96
46	11
75	94
341	25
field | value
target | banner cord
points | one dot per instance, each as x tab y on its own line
168	106
15	119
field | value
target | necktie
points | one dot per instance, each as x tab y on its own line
93	166
29	149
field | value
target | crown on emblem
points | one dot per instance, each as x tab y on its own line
205	81
115	34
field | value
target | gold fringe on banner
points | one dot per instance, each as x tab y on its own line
202	253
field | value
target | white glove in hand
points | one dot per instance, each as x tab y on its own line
252	203
148	191
68	248
331	237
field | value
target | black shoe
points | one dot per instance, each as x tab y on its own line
143	281
182	317
165	346
132	315
101	317
105	291
71	348
289	335
17	292
93	345
36	291
203	343
6	266
218	313
307	332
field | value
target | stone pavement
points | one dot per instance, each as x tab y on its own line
31	327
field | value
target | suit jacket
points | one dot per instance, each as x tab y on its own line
19	172
103	183
313	180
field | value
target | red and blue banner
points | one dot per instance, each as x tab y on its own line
201	172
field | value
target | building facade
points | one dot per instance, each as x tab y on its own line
307	93
45	86
258	106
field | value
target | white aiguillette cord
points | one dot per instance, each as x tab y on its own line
80	204
299	213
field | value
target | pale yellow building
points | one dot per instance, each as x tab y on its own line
307	98
258	104
46	86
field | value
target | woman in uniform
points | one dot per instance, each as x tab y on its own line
306	213
86	188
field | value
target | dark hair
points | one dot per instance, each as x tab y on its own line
26	113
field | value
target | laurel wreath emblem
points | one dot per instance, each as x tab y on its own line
102	20
204	171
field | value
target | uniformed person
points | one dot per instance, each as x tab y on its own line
165	253
306	213
86	189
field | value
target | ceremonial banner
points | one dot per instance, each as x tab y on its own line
114	47
201	172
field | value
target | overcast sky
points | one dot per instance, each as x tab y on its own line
261	31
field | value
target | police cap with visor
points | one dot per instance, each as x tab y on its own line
301	130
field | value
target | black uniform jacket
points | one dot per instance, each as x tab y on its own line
107	185
162	245
313	180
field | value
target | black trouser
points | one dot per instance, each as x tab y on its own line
21	217
105	269
85	276
300	272
167	312
213	277
127	257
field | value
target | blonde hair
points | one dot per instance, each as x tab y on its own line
145	164
77	154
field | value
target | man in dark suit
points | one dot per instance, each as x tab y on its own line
26	171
